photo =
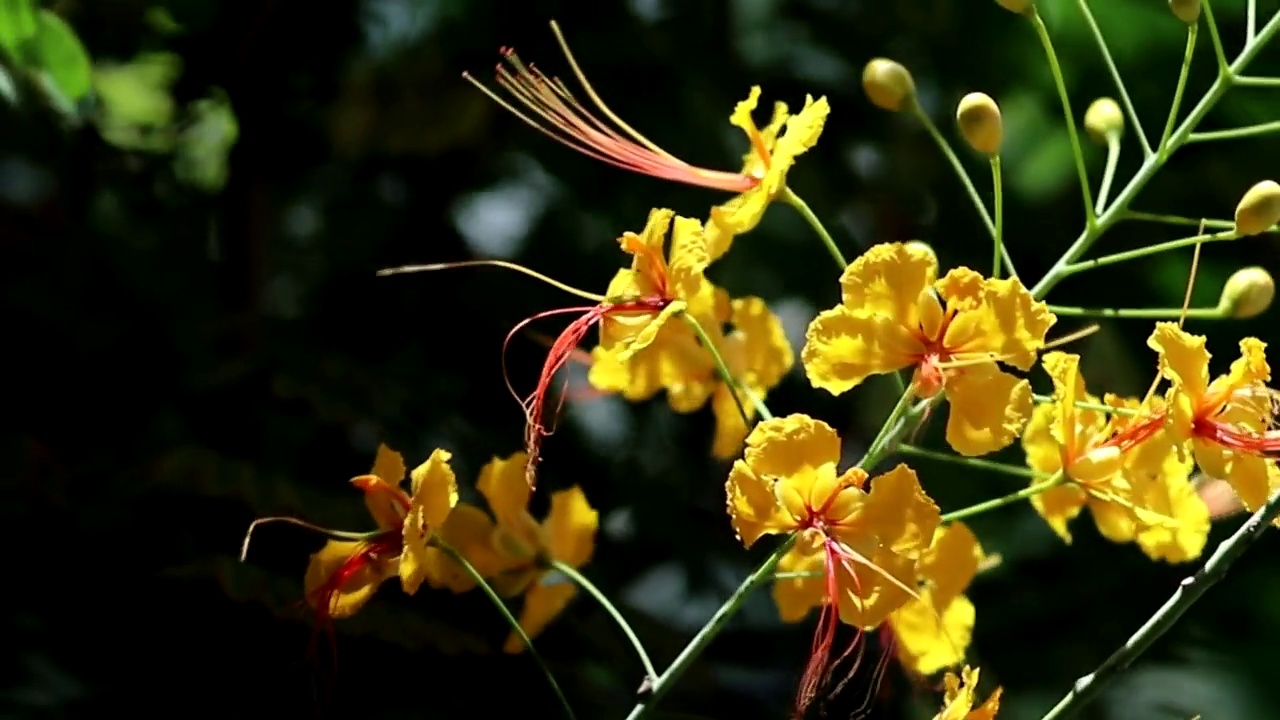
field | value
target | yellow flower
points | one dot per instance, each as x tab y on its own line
1224	421
960	696
516	551
934	631
774	150
1064	437
343	575
895	314
1160	477
866	543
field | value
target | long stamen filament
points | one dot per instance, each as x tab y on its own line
593	297
327	532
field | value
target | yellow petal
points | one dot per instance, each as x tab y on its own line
870	591
964	290
386	502
648	334
541	605
988	408
1249	476
741	116
570	527
1059	506
843	347
1183	358
1021	321
796	596
1251	367
738	216
435	489
762	352
752	506
897	512
730	430
689	258
362	574
1068	389
502	483
469	531
788	445
960	697
1114	515
753	164
951	562
647	248
801	132
388	465
414	559
926	645
887	280
1044	454
637	380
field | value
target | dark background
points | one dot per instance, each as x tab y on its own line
183	360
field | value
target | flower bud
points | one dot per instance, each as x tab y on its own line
1022	7
1188	11
888	84
1102	119
1248	293
1259	209
980	124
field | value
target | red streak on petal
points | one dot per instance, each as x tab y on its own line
383	546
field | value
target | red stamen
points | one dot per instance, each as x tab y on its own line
557	114
1137	432
562	349
1266	444
385	545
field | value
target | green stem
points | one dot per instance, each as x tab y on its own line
1235	133
672	674
722	369
1115	75
1139	313
1188	592
1193	31
997	189
1152	164
976	463
792	199
1224	69
1243	81
954	160
1251	21
1109	172
582	582
1043	33
1146	251
890	428
1180	220
506	614
799	575
1023	494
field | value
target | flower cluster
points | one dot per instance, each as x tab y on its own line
867	549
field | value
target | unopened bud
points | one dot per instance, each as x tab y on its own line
1022	7
1259	209
1248	293
980	124
888	84
1103	119
1188	11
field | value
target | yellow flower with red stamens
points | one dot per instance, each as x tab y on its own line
343	575
860	545
774	150
1226	421
514	550
896	314
550	108
934	631
1160	479
960	696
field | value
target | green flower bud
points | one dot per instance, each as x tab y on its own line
1248	293
1188	11
1102	119
1022	7
888	84
1259	209
980	124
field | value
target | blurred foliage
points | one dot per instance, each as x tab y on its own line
198	337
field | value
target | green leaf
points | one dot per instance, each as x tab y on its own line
18	24
57	52
211	131
136	107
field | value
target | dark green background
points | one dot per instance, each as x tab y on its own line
181	362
